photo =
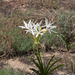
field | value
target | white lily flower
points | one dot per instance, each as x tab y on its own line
36	29
25	24
28	27
48	26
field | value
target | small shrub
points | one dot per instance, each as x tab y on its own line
50	40
9	34
68	45
9	71
13	41
23	44
65	24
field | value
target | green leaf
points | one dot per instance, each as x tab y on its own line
49	63
35	71
55	68
71	46
72	41
40	63
71	66
53	64
63	40
34	62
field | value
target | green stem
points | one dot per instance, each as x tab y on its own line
38	51
43	55
44	59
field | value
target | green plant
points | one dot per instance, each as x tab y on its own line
23	43
43	69
50	39
38	31
68	45
20	42
72	67
9	35
65	23
3	44
9	71
13	39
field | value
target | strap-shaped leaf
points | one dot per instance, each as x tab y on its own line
71	46
40	66
53	64
55	68
34	62
39	60
63	37
40	63
49	63
72	40
63	40
71	65
35	71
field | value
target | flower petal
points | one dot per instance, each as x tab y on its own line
21	26
25	24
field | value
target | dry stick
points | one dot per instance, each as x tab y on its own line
3	55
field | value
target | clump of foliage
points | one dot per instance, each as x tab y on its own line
50	40
9	34
9	71
13	39
65	24
68	45
43	69
22	43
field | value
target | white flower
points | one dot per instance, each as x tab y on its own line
28	27
36	29
48	26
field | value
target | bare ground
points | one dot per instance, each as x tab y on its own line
24	64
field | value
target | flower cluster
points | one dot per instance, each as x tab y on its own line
36	29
